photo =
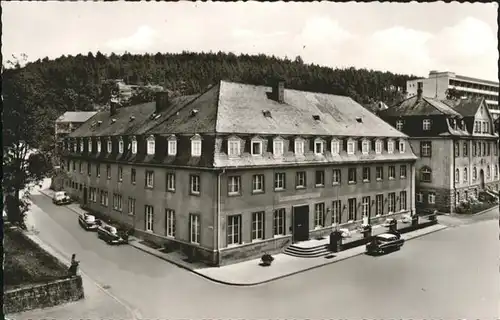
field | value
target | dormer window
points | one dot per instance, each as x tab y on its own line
278	147
75	146
81	145
256	147
402	146
462	125
299	147
319	146
335	147
351	146
90	145
399	125
172	146
150	145
390	146
133	145
426	124
110	145
233	147
196	146
378	147
98	145
365	147
120	145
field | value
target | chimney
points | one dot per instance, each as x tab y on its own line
279	90
161	101
112	110
420	86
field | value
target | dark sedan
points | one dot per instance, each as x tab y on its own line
110	234
385	242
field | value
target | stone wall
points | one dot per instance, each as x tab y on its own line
43	295
254	250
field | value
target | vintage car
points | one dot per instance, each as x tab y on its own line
389	221
88	222
61	197
385	242
109	234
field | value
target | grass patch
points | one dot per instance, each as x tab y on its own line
27	263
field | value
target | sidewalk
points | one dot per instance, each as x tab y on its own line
250	273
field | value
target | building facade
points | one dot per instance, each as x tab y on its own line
456	143
69	122
240	170
437	84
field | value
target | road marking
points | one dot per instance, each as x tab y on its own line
134	312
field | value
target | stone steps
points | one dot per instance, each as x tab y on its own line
311	252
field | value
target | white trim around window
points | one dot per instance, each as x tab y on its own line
278	147
299	147
133	145
90	144
170	223
120	145
196	146
365	146
194	228
390	146
426	124
233	147
256	147
335	146
257	226
378	146
172	146
402	146
109	145
148	216
234	185
351	146
98	145
319	146
150	145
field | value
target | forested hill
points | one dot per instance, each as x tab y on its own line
76	82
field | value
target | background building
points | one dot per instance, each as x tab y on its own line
240	170
456	145
437	84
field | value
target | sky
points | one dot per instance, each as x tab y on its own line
411	38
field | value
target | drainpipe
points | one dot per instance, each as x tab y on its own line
453	173
218	219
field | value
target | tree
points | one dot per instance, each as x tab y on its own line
24	124
452	94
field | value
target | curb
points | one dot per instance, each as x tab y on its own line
180	265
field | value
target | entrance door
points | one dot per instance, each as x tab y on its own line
85	196
481	178
300	220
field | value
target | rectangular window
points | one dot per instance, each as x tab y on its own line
365	147
352	175
350	147
194	228
150	179
402	171
402	201
336	211
117	202
256	148
318	147
278	148
120	174
172	147
365	207
432	198
149	215
399	125
234	185
170	222
89	168
131	206
392	172
465	151
257	225
319	215
379	204
194	183
151	147
392	202
300	179
457	149
320	178
196	148
279	222
234	229
425	148
352	209
108	171
132	176
336	176
426	124
335	147
390	146
299	147
420	197
171	181
233	148
258	183
366	174
378	147
279	181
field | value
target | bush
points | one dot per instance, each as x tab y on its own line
267	259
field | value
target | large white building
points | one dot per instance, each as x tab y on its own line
436	85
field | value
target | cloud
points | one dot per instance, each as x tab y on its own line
141	40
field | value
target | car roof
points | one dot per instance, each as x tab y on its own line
386	235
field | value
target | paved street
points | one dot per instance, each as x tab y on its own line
450	274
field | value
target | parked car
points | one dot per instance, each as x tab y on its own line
88	222
61	197
385	242
109	234
346	233
389	221
406	218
